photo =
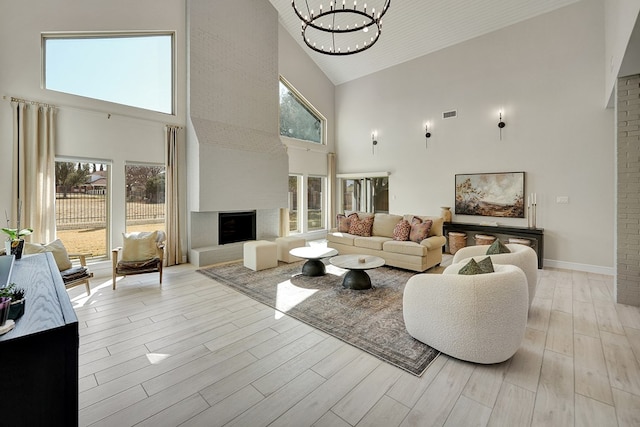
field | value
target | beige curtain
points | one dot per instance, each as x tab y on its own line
33	187
331	189
173	220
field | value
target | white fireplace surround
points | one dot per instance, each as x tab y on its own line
235	158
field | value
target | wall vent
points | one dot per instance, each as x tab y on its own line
450	114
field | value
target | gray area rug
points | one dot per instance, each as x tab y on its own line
370	320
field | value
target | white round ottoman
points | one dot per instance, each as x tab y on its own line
285	244
479	318
260	255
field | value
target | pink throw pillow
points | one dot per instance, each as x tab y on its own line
402	230
419	229
343	222
361	227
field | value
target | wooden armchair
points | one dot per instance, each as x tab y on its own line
76	276
140	253
71	276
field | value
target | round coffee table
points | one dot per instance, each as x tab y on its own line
357	278
313	255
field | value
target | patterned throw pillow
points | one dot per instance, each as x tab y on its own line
361	227
498	247
471	268
486	265
402	230
343	222
419	229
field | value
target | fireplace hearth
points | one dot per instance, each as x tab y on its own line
236	227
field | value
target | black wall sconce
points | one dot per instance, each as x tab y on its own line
427	135
374	141
501	124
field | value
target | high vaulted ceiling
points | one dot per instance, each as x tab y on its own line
413	28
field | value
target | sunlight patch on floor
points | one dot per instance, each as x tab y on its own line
288	296
156	358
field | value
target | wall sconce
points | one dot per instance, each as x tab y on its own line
501	124
374	141
427	134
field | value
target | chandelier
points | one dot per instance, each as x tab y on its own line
340	29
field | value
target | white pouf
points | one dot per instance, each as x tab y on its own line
260	255
285	244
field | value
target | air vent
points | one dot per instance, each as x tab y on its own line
450	114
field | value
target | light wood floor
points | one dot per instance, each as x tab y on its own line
196	353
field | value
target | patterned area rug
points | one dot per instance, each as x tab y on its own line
370	320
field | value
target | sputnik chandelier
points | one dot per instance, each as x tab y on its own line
340	29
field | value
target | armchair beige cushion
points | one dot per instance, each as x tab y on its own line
56	248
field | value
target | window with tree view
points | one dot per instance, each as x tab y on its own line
145	197
82	200
298	119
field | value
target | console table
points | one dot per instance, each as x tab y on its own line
40	355
536	235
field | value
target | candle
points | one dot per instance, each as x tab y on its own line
528	201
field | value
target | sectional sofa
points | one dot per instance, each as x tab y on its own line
411	255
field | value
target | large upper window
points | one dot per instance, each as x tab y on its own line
298	118
128	69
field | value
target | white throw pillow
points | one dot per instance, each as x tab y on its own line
56	248
139	246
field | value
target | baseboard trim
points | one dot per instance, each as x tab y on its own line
587	268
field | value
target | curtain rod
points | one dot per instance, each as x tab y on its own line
85	109
26	101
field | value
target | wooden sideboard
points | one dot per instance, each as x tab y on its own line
40	355
535	235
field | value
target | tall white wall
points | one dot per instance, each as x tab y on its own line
620	18
546	73
84	129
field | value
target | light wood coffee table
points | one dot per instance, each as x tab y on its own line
313	254
357	278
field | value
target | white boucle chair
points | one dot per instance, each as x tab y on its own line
479	318
521	256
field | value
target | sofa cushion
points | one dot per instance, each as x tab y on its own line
361	227
498	247
419	229
383	224
343	238
404	248
373	242
436	226
343	222
402	230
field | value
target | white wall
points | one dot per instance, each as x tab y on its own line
546	73
620	18
84	129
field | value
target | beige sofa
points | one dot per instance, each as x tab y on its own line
403	254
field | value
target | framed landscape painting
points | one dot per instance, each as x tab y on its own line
490	194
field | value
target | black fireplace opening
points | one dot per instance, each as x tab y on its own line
236	227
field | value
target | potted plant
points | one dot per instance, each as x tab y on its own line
16	309
15	242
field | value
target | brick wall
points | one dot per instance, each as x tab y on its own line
628	161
